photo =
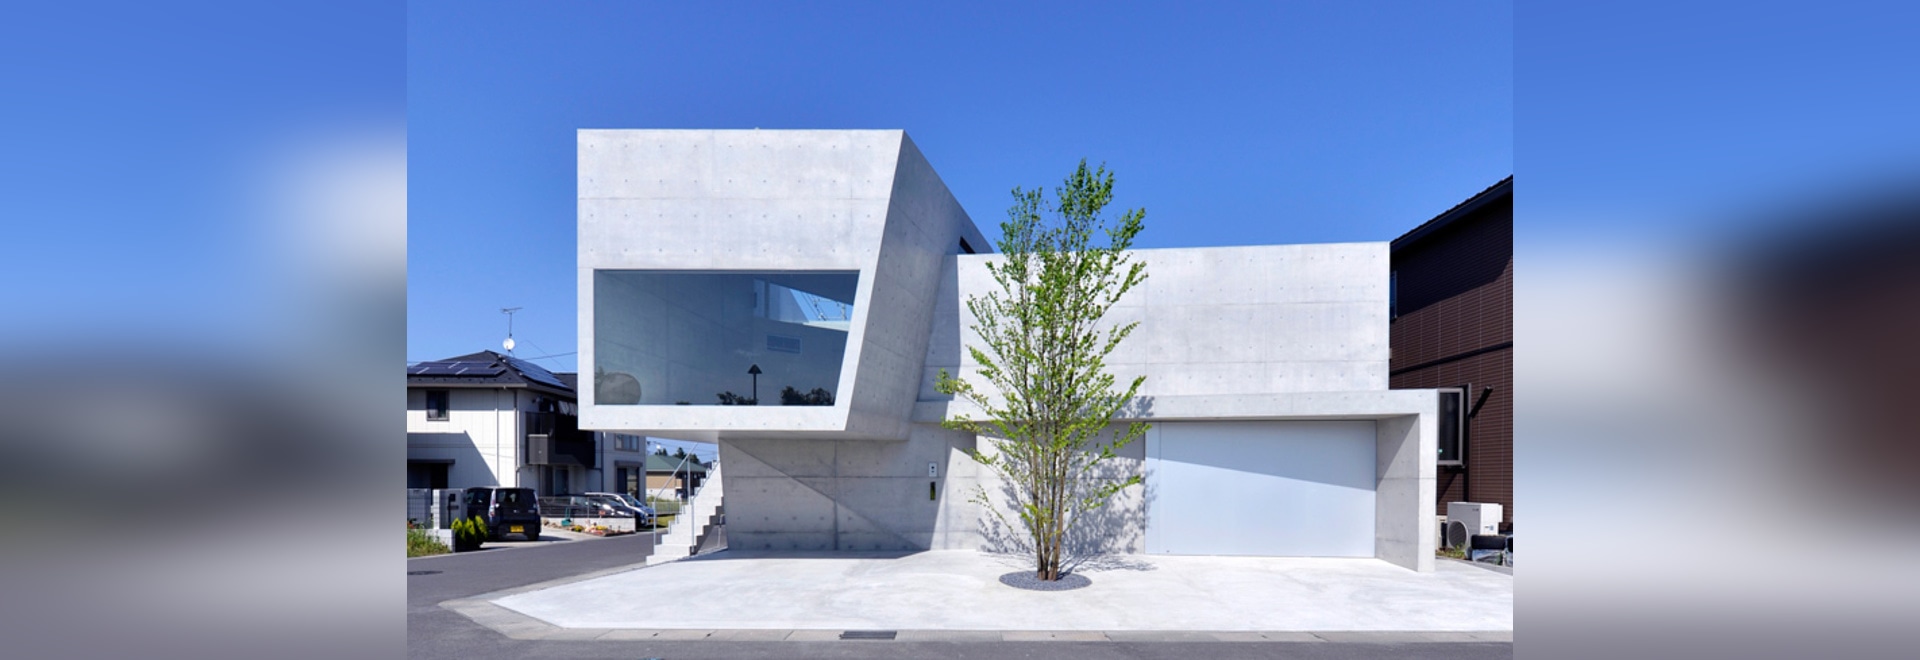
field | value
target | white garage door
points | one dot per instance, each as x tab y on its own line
1288	489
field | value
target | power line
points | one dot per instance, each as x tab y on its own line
550	355
411	362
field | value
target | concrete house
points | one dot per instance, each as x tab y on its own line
790	295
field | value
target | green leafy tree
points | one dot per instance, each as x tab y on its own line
1046	396
793	397
728	398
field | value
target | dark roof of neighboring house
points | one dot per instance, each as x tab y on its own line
570	378
1501	190
487	369
658	463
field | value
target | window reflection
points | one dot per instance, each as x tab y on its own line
698	338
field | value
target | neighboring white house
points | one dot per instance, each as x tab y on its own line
791	295
487	419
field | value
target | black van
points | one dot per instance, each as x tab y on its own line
508	511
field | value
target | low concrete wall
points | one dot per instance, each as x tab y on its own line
616	524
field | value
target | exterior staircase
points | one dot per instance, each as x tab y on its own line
699	525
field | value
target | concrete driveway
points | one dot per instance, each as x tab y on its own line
960	591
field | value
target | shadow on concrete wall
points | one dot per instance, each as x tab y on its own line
1108	537
826	495
1111	537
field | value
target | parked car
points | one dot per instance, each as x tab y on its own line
642	512
576	506
507	511
620	506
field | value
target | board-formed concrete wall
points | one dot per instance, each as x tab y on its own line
787	494
1404	531
850	476
751	200
1220	321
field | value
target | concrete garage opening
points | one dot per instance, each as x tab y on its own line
1279	489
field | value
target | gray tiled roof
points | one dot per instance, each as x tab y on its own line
487	369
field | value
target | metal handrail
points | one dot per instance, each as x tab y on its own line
688	481
689	508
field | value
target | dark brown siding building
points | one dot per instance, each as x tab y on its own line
1453	327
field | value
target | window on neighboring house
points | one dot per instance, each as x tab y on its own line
1393	295
437	405
427	474
556	479
1453	425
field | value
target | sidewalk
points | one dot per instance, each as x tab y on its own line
929	593
548	537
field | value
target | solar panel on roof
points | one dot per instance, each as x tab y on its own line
460	369
537	374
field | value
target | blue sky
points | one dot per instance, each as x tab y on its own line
1645	124
1262	123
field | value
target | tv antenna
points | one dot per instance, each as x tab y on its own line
509	342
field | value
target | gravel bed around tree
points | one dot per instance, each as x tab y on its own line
1026	580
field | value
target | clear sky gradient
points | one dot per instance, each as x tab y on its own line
1234	125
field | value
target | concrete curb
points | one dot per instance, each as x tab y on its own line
1503	570
522	627
519	626
566	536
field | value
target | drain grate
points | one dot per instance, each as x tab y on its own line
421	572
868	634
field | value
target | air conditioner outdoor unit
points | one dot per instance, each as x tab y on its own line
1479	518
1457	534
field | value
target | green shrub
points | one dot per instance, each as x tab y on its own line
420	543
468	534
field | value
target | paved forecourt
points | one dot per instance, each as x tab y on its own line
939	594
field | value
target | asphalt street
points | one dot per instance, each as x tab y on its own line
434	632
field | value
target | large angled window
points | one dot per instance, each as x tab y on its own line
720	338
